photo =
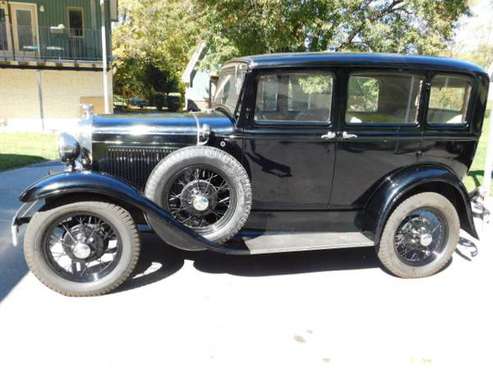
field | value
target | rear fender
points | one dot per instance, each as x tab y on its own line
409	181
96	184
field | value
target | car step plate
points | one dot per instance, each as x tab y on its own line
294	242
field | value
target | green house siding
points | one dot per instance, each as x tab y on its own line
55	42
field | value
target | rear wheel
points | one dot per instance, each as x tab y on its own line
420	236
82	249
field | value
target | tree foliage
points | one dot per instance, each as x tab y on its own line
152	45
160	35
242	27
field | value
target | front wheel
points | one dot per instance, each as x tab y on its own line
82	249
420	236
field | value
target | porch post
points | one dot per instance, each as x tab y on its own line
40	97
11	29
105	58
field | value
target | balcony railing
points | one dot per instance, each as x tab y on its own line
22	43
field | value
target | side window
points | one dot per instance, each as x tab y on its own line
449	99
383	98
294	96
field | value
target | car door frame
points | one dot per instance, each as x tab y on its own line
250	129
359	133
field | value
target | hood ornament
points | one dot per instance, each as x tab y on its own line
87	111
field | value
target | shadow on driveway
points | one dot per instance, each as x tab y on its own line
158	261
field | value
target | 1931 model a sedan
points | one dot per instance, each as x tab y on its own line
299	152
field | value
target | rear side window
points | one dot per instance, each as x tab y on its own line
449	99
303	97
383	98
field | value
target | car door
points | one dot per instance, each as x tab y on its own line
379	131
289	141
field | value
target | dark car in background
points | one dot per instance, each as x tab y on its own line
300	152
171	102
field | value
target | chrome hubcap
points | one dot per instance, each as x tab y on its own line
81	250
426	239
200	203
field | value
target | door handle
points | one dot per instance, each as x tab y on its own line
346	135
329	135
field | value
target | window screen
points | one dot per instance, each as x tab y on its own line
294	96
449	99
383	98
76	22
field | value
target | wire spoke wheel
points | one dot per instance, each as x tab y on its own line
82	247
421	237
200	197
205	189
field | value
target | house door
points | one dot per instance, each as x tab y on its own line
5	39
25	30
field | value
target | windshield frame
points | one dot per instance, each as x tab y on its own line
237	65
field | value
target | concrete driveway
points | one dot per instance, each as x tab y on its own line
329	310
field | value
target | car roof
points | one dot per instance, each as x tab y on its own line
360	60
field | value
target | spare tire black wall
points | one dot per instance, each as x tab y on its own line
211	157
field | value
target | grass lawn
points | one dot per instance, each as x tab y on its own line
476	172
22	149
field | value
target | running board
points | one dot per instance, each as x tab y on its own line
295	242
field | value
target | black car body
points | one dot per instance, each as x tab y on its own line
332	145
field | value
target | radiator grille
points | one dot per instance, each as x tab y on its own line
134	164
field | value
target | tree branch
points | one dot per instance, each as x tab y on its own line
391	8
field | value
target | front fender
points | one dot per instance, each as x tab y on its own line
396	186
170	230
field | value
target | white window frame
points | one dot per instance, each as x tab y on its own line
14	6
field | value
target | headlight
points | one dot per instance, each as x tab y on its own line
68	148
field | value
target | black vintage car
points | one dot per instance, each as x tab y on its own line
299	152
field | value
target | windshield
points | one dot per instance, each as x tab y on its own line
229	85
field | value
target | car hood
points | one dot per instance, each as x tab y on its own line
157	123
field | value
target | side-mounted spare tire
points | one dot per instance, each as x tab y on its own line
204	188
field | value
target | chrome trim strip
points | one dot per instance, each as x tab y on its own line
14	225
138	130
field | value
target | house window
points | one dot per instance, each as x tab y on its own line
383	98
76	22
4	41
